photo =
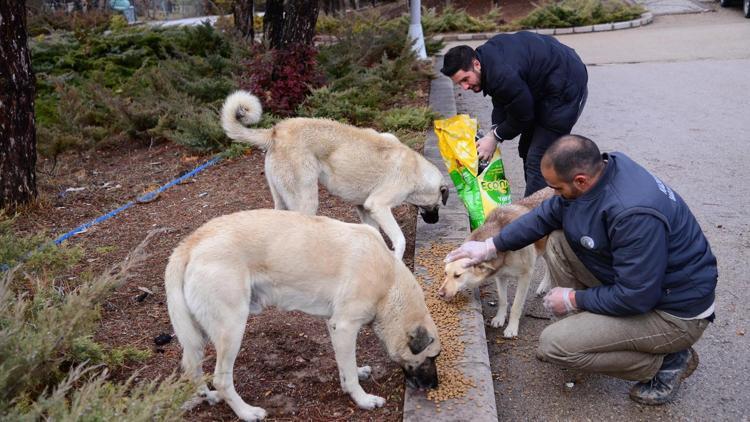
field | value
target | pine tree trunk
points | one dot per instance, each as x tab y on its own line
244	10
299	22
273	23
17	133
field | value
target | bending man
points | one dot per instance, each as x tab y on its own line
538	90
630	261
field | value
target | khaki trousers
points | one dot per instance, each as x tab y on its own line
630	347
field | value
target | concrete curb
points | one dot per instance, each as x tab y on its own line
645	19
453	227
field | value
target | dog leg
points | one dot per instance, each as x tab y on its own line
524	280
384	218
365	217
344	340
545	284
227	329
364	372
502	302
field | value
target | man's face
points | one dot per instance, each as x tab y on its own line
469	79
567	190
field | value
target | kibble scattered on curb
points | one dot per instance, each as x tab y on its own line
453	383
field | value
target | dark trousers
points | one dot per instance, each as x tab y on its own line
532	146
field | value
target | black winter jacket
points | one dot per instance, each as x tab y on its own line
532	79
636	236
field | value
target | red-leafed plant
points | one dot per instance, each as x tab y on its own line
282	79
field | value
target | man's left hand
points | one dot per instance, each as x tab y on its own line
560	301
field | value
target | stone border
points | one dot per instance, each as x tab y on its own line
645	19
453	227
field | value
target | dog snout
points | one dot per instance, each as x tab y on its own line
430	215
423	376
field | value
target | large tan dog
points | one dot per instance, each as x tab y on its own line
371	170
511	264
240	263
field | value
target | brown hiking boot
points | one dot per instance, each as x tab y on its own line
663	387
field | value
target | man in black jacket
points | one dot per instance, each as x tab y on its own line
628	258
538	90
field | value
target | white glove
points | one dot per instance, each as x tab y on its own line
486	147
476	252
558	301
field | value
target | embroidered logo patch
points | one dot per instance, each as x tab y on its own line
587	242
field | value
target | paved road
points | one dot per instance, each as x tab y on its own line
675	96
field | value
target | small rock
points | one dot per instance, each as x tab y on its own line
570	384
163	339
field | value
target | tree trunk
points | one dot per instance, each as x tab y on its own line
17	134
299	22
273	22
244	10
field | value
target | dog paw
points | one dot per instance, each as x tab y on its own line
511	331
252	413
369	402
212	397
364	372
498	321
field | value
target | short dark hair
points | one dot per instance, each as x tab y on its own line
458	58
573	154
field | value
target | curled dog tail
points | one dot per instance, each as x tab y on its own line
187	330
242	109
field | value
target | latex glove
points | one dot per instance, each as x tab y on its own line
558	301
486	146
476	252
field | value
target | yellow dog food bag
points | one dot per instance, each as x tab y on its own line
480	192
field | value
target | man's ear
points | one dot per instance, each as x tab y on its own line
419	339
477	65
580	180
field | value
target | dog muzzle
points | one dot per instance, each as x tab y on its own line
430	216
424	376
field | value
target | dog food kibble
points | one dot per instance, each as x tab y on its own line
453	383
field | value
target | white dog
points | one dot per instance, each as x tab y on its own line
371	170
510	264
240	263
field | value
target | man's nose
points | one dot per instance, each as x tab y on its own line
465	85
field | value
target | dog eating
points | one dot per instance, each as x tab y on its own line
509	264
373	171
236	265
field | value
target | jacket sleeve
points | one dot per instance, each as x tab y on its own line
531	227
511	94
639	259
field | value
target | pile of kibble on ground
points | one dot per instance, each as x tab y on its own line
453	383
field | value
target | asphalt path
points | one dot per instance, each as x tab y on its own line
674	96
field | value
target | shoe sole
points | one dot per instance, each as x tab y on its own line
692	365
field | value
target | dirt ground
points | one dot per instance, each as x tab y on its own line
286	363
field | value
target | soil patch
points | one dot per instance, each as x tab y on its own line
286	364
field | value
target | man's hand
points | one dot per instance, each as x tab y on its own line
560	301
476	252
486	146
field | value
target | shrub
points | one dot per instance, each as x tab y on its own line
94	20
568	13
408	118
457	20
45	333
281	79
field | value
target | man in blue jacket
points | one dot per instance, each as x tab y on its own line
629	261
538	90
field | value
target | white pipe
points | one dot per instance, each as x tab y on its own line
415	28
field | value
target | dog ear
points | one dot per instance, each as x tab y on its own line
419	339
486	267
444	193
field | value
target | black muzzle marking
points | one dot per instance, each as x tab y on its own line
424	376
430	216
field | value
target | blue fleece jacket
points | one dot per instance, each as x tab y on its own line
636	236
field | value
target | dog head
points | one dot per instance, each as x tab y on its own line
429	213
407	331
458	278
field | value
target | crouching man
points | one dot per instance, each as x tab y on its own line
630	263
